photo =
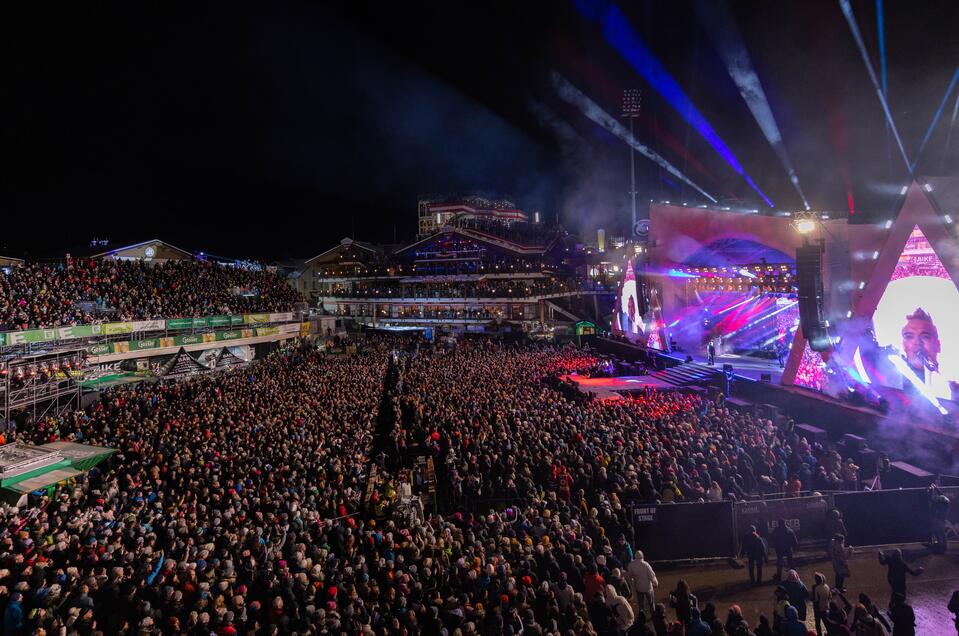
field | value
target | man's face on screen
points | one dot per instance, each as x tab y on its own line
920	335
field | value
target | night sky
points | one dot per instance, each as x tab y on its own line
272	130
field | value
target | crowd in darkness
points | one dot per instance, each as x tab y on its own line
235	503
37	295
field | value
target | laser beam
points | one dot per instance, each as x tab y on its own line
624	38
857	36
721	27
935	118
572	95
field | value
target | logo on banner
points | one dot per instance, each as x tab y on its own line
641	228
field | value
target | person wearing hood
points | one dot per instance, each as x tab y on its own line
821	595
791	625
735	619
644	581
623	616
797	593
697	626
903	617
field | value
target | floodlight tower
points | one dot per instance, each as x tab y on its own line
632	101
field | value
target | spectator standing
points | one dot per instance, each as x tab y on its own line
896	572
784	541
754	548
821	595
644	581
839	552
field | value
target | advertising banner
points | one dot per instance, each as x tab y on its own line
31	336
292	327
147	343
281	317
112	328
149	325
253	319
79	331
229	335
267	331
179	323
679	531
101	349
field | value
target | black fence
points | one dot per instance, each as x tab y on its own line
676	532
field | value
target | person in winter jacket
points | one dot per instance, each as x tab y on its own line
784	541
797	593
698	627
619	607
839	552
644	580
821	595
791	625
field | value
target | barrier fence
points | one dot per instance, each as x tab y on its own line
674	532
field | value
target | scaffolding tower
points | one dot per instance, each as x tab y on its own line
40	384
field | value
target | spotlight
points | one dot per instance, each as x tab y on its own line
888	224
805	226
948	218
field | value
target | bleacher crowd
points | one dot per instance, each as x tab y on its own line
83	291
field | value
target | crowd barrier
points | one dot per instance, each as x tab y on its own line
676	532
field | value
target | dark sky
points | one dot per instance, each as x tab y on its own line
275	129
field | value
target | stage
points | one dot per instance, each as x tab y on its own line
612	388
744	367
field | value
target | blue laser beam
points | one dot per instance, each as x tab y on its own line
857	36
624	38
882	46
721	27
935	119
572	95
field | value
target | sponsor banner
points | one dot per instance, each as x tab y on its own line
121	347
3	339
79	331
179	323
101	349
209	337
304	329
220	321
149	325
147	343
254	319
291	327
112	328
31	336
283	317
188	340
236	319
267	331
229	335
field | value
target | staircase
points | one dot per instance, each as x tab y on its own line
687	374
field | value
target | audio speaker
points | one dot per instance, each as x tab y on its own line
810	287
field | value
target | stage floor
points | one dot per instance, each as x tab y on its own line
743	366
608	388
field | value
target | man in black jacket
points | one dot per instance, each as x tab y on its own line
785	541
754	548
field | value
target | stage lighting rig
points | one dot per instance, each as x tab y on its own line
805	222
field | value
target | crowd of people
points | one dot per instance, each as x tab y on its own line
237	502
83	291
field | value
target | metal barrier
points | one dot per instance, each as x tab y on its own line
672	532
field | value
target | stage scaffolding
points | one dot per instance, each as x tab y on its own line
40	384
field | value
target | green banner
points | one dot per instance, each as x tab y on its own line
147	343
3	339
179	323
220	321
79	331
112	328
188	340
229	335
101	349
